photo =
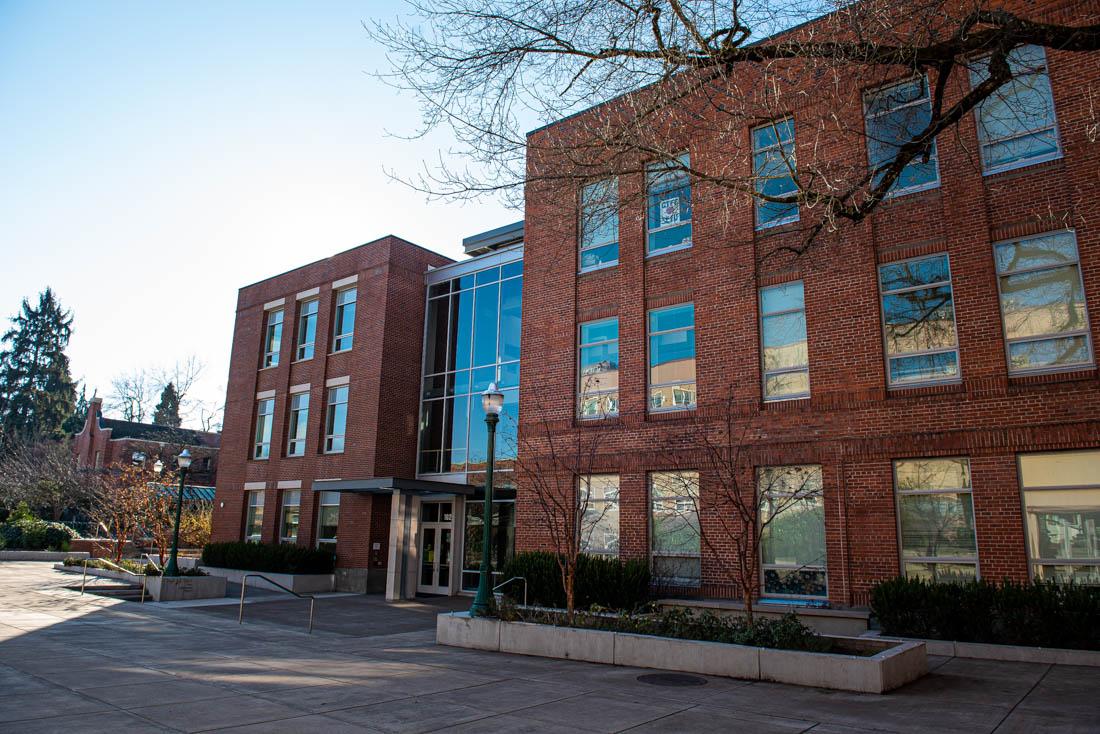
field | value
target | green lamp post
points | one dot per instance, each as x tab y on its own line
172	568
492	400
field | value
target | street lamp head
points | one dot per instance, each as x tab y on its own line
184	459
492	400
158	467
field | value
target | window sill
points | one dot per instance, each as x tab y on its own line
269	367
303	359
1021	165
1041	377
670	413
791	401
331	453
342	351
925	388
668	251
783	225
895	196
598	268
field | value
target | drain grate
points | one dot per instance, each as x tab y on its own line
673	680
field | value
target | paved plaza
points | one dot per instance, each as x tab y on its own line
84	665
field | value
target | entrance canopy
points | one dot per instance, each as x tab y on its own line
387	485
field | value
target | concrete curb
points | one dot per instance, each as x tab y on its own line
26	555
1005	653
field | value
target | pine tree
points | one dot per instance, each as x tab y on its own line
38	391
167	412
75	422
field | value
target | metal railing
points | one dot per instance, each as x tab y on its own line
514	578
84	578
244	586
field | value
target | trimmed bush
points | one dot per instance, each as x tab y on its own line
1038	614
271	558
603	582
30	533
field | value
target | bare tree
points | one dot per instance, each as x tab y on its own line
46	476
132	395
120	507
671	72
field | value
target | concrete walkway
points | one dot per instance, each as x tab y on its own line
87	664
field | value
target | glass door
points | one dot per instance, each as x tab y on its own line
435	548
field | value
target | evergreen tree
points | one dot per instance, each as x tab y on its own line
38	393
75	422
167	412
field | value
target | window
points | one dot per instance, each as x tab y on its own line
336	420
783	333
918	314
599	514
1062	515
254	519
273	336
792	531
599	368
298	424
669	219
674	531
672	358
1016	125
307	329
265	410
288	527
344	320
1043	303
328	520
599	225
894	116
936	519
773	168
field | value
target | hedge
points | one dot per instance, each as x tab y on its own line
270	558
1041	614
600	581
30	533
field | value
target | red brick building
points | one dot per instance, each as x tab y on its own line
929	372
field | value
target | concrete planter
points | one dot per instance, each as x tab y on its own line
301	583
1008	653
824	621
26	555
185	588
106	573
887	665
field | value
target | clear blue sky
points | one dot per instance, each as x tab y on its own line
156	156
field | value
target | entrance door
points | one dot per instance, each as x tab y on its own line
435	548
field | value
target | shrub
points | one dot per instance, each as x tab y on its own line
271	558
23	531
604	582
130	565
1036	613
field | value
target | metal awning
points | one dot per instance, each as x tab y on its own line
387	485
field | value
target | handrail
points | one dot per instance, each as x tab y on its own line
149	558
244	585
84	577
514	578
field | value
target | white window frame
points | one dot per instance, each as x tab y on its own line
1086	332
271	355
265	424
303	318
983	142
585	500
338	338
292	439
882	294
932	560
614	183
597	393
297	495
935	154
778	145
329	403
1032	562
683	502
656	167
785	370
763	495
250	513
649	365
321	504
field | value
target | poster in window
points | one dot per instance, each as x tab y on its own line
670	210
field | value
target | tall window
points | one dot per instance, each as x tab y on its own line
1062	515
599	224
598	390
918	312
343	320
298	424
265	411
936	519
773	168
792	537
674	536
336	419
307	328
288	525
1016	125
894	115
599	514
254	518
1043	303
273	337
328	520
783	333
672	358
668	225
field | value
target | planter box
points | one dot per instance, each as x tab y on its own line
107	573
26	555
185	588
887	664
301	583
1010	653
824	621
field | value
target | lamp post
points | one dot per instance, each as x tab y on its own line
184	461
492	400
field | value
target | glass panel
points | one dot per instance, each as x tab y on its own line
508	375
1043	302
941	573
1049	353
507	444
786	297
787	384
600	213
675	518
431	425
1062	574
599	507
427	558
935	525
429	511
489	275
1060	469
462	329
1022	105
671	569
673	317
486	308
923	367
1051	250
597	256
785	341
511	296
337	419
435	342
444	575
794	533
795	582
502	537
912	273
932	474
511	269
672	357
894	116
329	521
669	205
773	163
919	320
1065	534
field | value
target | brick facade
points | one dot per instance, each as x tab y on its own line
383	370
852	425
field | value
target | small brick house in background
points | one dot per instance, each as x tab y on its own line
106	441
